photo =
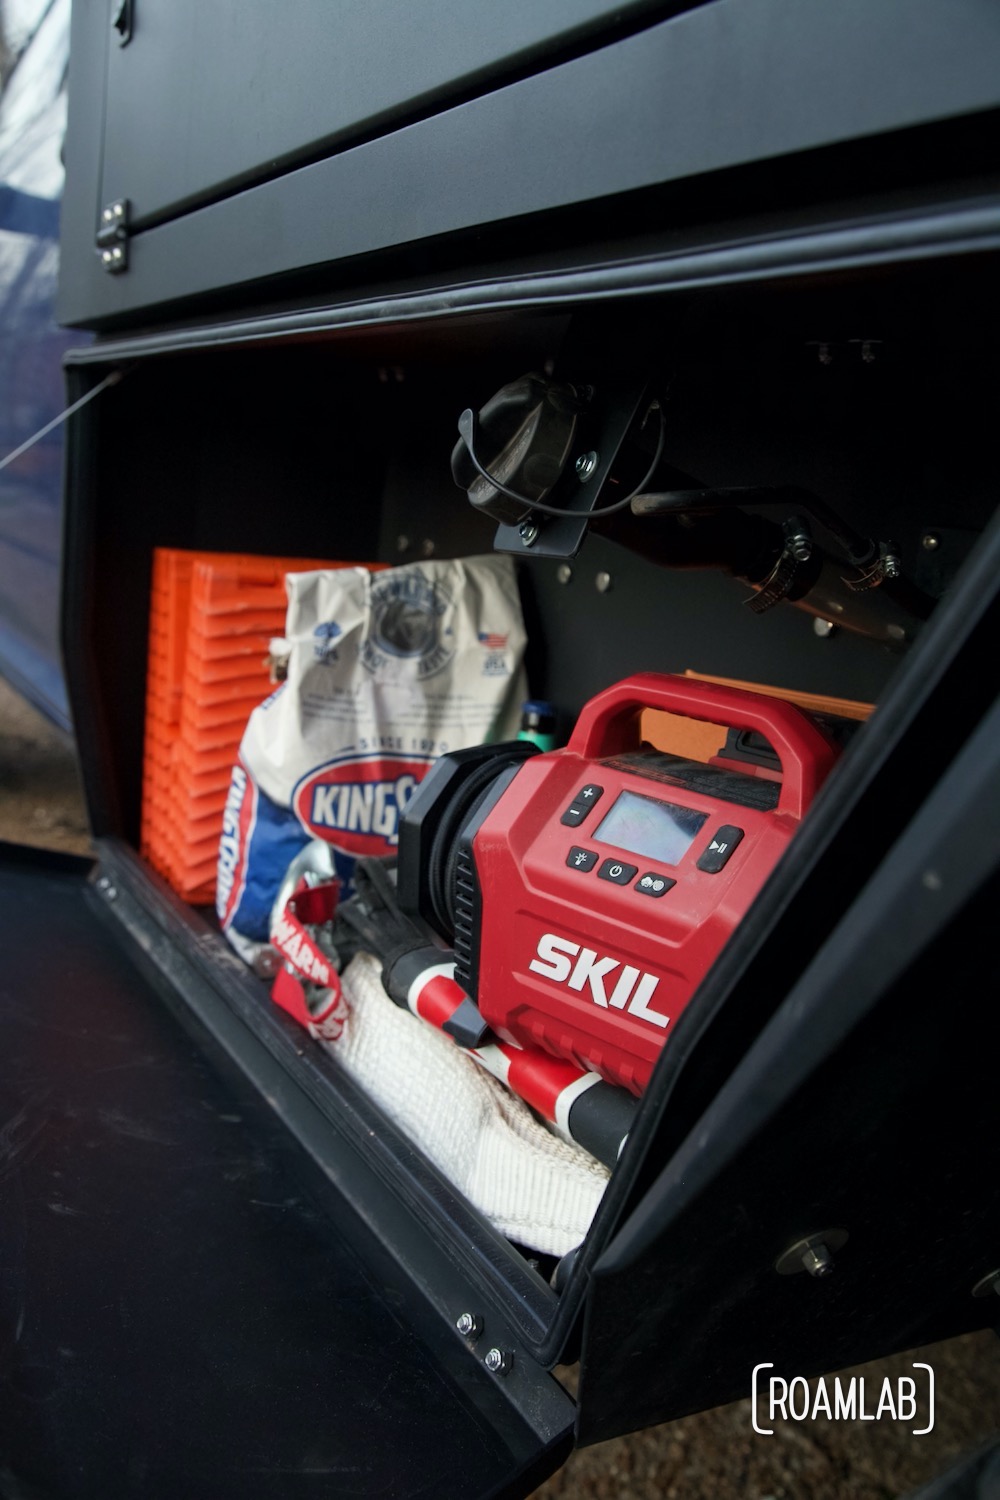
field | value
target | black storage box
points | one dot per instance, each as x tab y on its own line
811	270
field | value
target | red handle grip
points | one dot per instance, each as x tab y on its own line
609	725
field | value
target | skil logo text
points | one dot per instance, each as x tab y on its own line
631	988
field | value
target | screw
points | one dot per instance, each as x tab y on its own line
930	541
823	628
108	215
585	466
528	532
817	1260
469	1325
499	1361
602	582
111	893
564	572
891	565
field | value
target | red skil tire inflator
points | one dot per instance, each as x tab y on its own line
587	891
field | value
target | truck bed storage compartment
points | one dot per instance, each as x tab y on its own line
696	305
780	1110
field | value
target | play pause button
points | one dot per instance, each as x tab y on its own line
723	842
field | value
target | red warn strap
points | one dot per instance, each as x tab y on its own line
322	1014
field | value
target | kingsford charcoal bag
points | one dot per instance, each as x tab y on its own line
385	672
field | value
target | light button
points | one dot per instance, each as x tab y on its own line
581	859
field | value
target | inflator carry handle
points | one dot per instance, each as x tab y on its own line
609	725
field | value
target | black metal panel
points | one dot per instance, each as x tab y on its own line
204	99
179	1314
728	83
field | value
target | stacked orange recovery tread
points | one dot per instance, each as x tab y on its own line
212	618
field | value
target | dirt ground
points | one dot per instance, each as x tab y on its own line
715	1455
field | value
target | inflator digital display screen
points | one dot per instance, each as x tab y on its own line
645	825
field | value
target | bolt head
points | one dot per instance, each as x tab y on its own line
564	572
585	466
602	582
498	1361
528	533
930	541
469	1325
817	1260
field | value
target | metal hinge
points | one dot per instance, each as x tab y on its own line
112	237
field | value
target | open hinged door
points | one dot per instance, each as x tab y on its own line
831	1199
185	1307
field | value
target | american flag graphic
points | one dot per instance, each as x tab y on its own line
492	641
